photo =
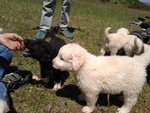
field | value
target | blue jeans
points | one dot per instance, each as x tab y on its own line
48	12
5	60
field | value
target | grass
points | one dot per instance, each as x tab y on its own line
92	17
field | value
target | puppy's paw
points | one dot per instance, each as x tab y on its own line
34	77
57	86
87	109
122	110
81	97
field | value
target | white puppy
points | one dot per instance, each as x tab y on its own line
110	75
115	41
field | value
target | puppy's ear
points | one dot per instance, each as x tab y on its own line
77	61
107	31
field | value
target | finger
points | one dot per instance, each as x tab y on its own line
17	37
22	43
16	46
22	48
13	47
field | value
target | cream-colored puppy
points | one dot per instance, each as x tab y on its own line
101	74
115	41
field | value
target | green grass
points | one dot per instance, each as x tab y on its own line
92	17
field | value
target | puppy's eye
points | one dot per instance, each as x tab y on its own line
61	58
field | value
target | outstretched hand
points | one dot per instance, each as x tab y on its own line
12	41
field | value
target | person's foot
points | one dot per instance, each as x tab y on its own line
66	32
16	79
41	34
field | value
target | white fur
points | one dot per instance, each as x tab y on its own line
123	31
111	74
1	30
135	47
34	77
4	108
115	41
57	86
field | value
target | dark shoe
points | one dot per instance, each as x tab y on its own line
16	79
66	32
41	34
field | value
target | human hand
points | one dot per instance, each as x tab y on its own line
12	41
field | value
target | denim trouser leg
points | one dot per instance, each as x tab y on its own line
5	60
65	13
47	14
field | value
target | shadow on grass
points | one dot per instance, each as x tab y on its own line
26	77
12	108
72	92
55	30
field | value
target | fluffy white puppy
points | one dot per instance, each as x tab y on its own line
101	74
115	41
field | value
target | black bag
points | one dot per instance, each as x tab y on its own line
144	35
144	32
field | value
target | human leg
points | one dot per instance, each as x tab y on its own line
65	13
65	18
9	81
46	18
5	60
4	99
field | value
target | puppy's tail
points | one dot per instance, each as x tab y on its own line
107	31
143	58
